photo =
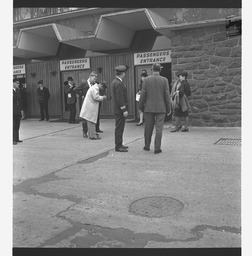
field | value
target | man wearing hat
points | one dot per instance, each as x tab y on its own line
44	96
16	111
155	103
71	99
81	90
120	104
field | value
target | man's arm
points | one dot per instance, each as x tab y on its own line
79	89
119	92
167	97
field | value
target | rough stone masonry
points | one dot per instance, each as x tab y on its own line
213	63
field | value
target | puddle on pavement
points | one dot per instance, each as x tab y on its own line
103	237
27	187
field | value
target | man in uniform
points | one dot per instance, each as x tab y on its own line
16	111
81	90
120	104
71	99
44	96
155	103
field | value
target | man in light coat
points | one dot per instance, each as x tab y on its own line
90	108
155	102
81	90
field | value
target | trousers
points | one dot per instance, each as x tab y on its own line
119	129
72	110
91	129
44	108
150	120
16	126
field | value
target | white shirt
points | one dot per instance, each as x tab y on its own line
119	78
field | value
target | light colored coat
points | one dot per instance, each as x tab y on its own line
90	106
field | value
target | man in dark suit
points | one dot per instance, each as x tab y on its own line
71	99
44	96
16	111
81	90
120	104
155	102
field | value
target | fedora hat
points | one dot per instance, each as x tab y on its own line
69	78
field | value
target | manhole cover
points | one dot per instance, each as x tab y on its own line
226	141
156	206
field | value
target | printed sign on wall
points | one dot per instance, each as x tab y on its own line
152	57
73	64
19	69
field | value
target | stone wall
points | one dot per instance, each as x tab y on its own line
213	63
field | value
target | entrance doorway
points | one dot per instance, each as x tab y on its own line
77	76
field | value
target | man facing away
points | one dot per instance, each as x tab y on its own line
16	111
120	104
44	96
155	102
81	90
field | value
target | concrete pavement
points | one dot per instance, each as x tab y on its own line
74	192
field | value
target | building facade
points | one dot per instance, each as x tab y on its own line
54	43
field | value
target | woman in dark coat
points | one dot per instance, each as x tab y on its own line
180	93
141	114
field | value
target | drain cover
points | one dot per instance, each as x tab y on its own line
156	206
225	141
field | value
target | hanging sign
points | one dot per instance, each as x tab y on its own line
19	69
144	58
73	64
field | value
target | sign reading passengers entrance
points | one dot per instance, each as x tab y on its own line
19	69
152	57
73	64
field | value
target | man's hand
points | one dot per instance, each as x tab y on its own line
125	113
104	97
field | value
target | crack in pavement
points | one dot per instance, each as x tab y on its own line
41	135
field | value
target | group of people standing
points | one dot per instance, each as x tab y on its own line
155	102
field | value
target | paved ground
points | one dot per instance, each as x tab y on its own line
74	192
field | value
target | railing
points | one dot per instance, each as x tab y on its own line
20	14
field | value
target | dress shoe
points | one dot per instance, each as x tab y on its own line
146	149
184	130
141	123
14	143
126	147
98	138
85	135
41	119
157	151
47	120
99	131
176	129
121	149
19	141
